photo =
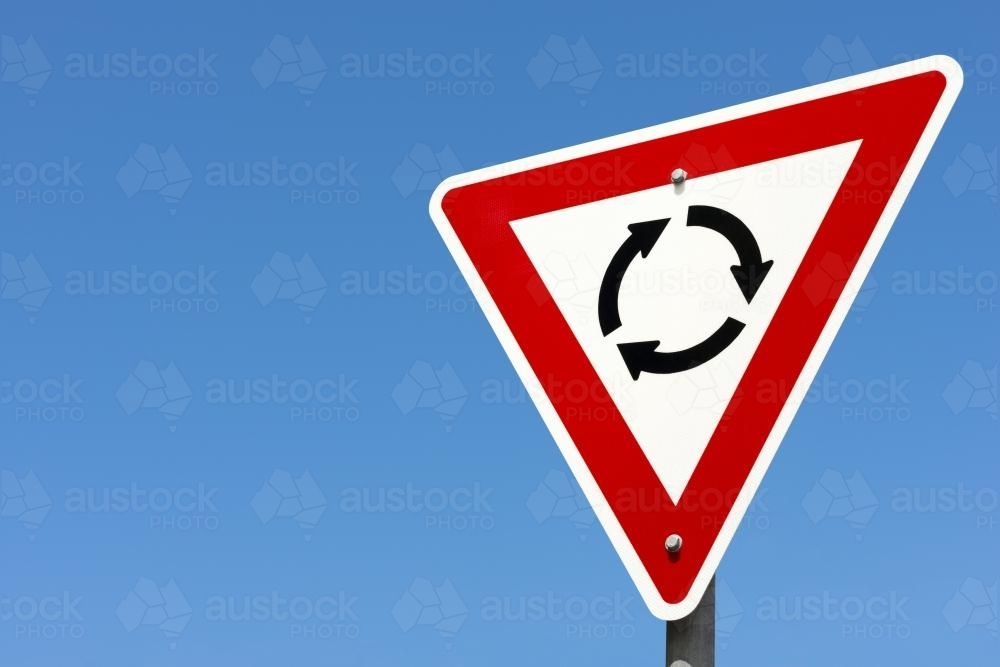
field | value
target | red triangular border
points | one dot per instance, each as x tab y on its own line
889	118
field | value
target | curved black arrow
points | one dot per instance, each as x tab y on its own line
751	270
642	356
642	238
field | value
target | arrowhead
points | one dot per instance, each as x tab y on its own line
647	233
750	276
636	355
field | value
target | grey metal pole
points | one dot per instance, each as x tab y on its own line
691	640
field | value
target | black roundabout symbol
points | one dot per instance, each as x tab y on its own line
642	356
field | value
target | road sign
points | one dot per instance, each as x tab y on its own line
667	295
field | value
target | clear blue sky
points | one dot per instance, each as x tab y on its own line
274	503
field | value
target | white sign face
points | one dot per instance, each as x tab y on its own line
682	295
683	290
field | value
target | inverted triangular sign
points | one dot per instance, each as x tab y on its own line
667	295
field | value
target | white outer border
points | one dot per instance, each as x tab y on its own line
660	608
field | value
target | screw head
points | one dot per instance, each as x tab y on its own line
678	176
673	543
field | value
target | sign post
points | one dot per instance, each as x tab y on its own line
665	297
691	640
